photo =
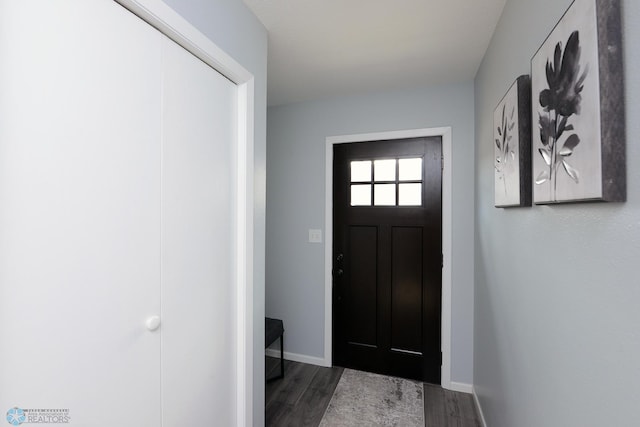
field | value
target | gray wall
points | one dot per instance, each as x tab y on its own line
234	28
557	336
296	202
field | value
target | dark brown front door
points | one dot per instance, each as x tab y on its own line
387	257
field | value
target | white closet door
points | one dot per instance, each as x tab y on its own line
117	203
80	108
198	232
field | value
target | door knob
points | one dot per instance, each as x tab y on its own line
153	323
340	257
339	272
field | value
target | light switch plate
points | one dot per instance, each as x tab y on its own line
315	236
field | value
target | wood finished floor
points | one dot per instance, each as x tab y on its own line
301	398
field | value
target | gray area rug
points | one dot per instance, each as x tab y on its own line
365	399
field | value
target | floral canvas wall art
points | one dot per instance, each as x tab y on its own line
512	146
578	107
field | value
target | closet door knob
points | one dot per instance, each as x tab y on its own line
153	323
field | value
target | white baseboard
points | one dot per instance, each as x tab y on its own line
479	408
461	387
294	357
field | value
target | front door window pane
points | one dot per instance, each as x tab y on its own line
384	194
361	171
361	195
385	170
410	169
410	195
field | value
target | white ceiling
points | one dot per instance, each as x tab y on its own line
324	48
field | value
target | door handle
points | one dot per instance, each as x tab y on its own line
153	323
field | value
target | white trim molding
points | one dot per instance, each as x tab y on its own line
461	387
446	134
295	357
479	408
160	16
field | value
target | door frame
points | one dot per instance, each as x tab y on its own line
445	133
160	16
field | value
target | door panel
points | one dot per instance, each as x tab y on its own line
363	246
79	211
406	289
387	258
198	231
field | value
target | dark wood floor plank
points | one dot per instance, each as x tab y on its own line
297	377
313	403
276	412
435	408
446	408
309	410
326	379
301	398
271	366
299	384
468	410
274	388
452	404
